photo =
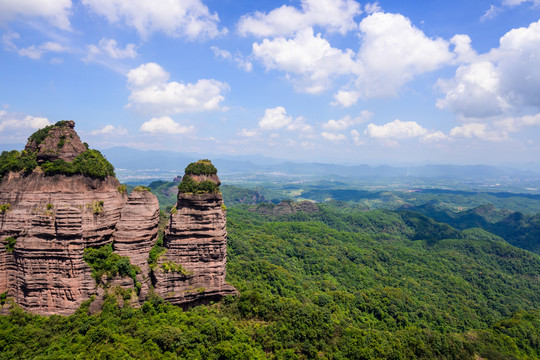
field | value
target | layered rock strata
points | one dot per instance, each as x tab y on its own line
47	222
136	233
53	220
196	240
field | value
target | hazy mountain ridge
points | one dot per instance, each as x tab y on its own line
132	159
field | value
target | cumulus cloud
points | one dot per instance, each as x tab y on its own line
333	15
346	122
110	48
109	130
502	81
248	133
393	52
310	58
34	51
333	136
15	127
356	137
165	125
187	18
275	118
477	130
346	98
151	92
396	129
474	92
55	12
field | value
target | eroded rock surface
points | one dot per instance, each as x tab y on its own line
53	219
47	221
196	239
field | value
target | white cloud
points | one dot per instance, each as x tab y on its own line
333	15
309	57
108	130
238	58
151	92
512	124
371	8
165	125
189	18
332	136
110	48
15	127
463	49
356	137
474	92
477	130
393	52
34	51
396	129
346	98
502	81
54	11
434	136
248	133
491	13
346	122
275	118
299	124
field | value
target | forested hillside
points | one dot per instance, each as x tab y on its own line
338	283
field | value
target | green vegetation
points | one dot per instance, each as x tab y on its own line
169	266
10	243
158	249
340	283
50	206
4	208
62	142
96	206
122	189
90	163
142	188
201	167
15	161
190	186
103	261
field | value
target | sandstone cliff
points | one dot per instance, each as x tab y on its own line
57	198
192	270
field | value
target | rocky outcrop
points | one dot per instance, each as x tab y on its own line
286	207
47	222
53	220
136	233
56	142
192	270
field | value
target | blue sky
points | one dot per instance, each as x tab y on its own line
338	81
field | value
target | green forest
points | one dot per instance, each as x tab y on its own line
338	283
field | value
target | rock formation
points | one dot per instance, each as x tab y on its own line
196	239
47	220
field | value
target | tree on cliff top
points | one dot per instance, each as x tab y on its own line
88	162
201	167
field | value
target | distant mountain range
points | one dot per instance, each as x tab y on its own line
132	159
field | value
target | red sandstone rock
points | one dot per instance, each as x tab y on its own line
54	218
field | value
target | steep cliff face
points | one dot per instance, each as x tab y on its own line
136	233
48	219
56	142
53	219
192	270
